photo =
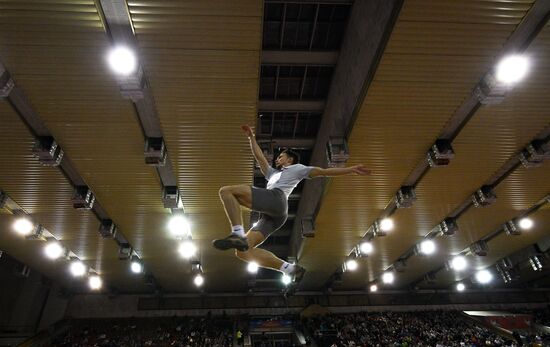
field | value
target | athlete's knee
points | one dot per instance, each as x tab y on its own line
225	190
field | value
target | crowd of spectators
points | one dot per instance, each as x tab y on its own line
403	329
172	332
366	329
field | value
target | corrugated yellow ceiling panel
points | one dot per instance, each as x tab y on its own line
63	71
520	191
202	59
436	54
485	144
479	154
46	195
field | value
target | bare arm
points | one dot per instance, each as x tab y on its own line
337	171
256	150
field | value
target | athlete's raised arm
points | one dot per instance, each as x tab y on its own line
337	171
256	150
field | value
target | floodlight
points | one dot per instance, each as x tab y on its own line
286	279
459	263
23	226
122	60
54	250
427	247
179	226
136	266
352	265
187	249
460	287
512	69
252	267
388	277
95	282
484	276
77	268
525	223
198	280
365	248
373	288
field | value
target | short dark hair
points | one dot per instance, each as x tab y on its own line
292	154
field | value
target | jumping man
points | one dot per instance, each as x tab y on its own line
271	203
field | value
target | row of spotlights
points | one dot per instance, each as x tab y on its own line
78	269
54	250
509	70
180	228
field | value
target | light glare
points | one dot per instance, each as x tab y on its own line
199	280
179	226
77	268
459	263
23	226
526	223
512	69
136	267
53	250
95	282
427	247
286	279
366	248
386	224
373	288
187	249
460	287
388	277
352	265
252	267
122	60
484	276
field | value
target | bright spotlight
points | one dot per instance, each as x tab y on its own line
366	248
386	224
95	282
252	267
484	276
187	249
23	226
512	69
179	226
122	60
460	287
77	268
388	277
255	224
373	288
526	223
351	265
136	267
427	247
198	280
53	250
286	279
459	263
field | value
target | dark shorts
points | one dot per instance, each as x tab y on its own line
273	206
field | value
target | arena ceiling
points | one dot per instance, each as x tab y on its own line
390	76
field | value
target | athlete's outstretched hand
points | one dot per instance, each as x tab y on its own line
247	130
361	170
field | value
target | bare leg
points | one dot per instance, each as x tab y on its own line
262	257
233	197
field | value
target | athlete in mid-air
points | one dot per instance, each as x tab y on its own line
271	202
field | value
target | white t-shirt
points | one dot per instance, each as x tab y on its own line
287	178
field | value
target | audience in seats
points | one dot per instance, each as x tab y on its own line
403	329
173	332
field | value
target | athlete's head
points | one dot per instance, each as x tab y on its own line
286	158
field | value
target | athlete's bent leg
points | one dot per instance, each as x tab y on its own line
233	197
260	256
